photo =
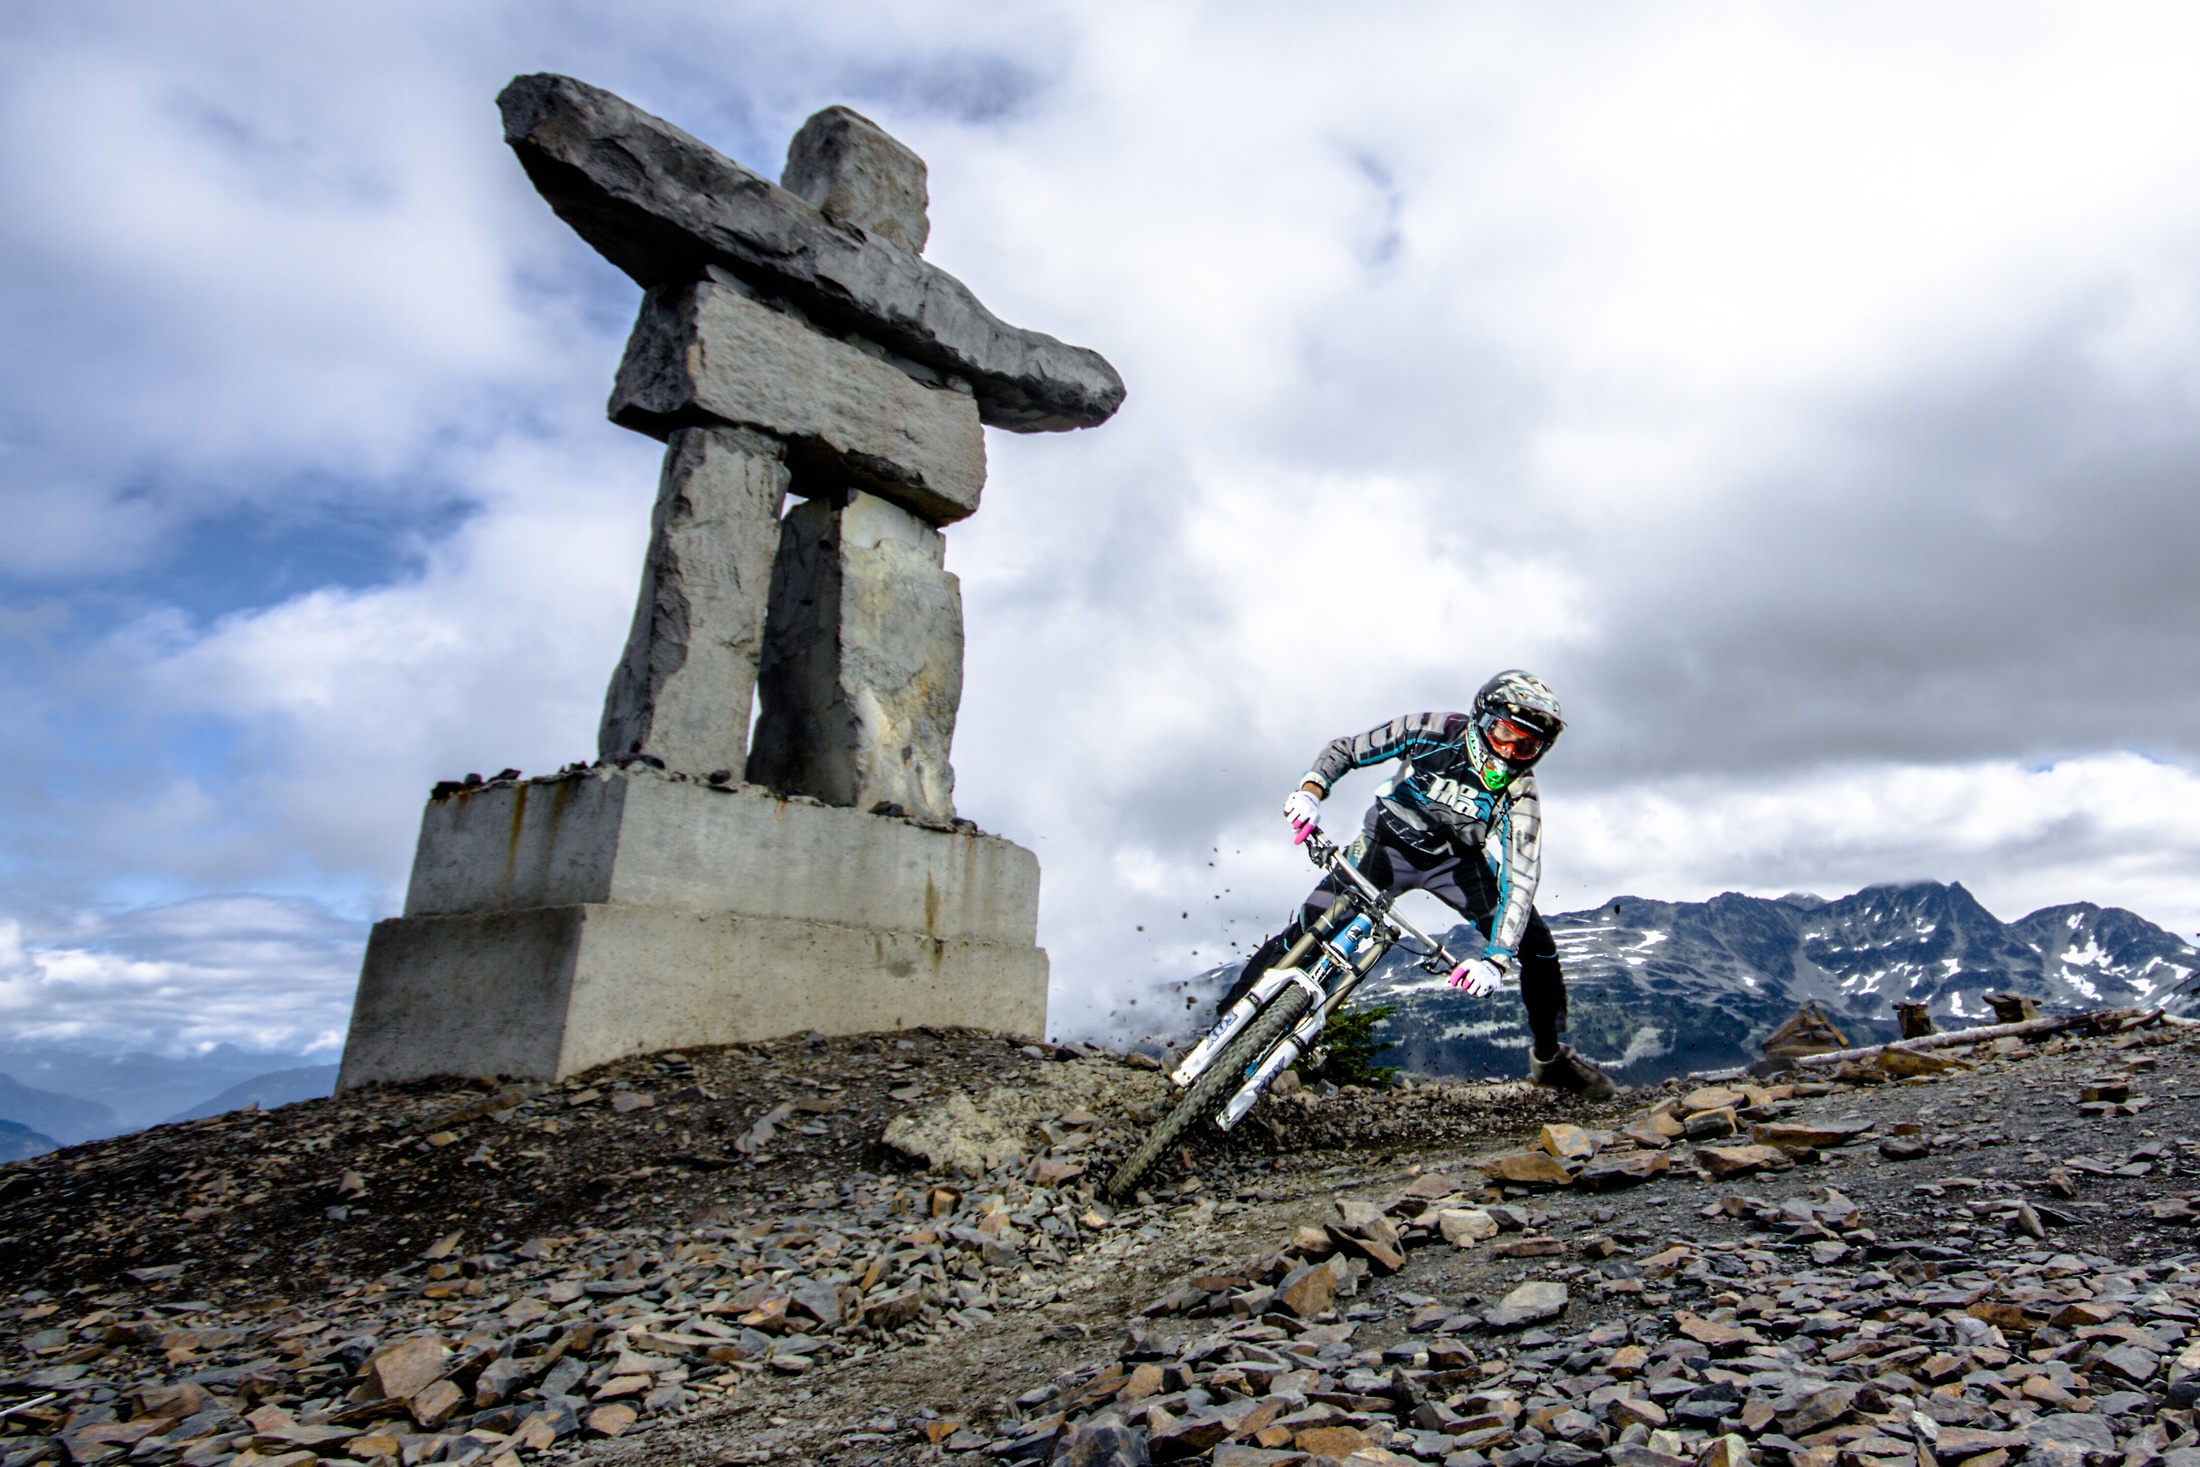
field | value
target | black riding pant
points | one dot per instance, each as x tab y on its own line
1468	890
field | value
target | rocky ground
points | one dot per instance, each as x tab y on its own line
721	1258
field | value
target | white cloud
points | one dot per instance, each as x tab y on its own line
2116	829
255	972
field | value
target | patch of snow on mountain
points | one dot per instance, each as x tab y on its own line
1483	1030
1647	1043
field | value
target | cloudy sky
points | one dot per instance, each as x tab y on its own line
1806	391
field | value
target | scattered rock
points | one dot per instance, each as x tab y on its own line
1724	1162
1531	1303
1463	1227
1534	1168
1567	1143
957	1138
1610	1173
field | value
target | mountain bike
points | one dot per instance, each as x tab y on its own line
1282	1017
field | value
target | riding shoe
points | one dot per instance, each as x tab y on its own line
1567	1070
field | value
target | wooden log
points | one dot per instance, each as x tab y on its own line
2098	1018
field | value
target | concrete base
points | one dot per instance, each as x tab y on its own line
555	924
552	991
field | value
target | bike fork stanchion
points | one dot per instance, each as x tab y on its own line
1271	983
1284	1055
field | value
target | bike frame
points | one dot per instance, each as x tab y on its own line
1344	946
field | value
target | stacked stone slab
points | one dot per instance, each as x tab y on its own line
704	882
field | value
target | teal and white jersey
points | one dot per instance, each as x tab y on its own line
1441	801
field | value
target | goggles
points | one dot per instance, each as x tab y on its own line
1514	742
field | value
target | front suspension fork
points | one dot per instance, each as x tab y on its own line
1302	1035
1285	970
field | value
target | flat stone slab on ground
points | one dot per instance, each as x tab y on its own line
1531	1303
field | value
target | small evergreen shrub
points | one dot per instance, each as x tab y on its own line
1349	1047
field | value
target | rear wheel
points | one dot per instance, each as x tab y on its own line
1213	1089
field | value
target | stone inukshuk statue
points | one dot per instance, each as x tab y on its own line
705	882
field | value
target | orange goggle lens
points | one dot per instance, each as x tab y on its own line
1513	741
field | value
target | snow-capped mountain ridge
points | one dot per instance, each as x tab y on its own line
1660	988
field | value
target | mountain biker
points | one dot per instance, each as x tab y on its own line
1462	780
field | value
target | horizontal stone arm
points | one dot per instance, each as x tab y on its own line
661	204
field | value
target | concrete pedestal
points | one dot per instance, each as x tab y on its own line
556	924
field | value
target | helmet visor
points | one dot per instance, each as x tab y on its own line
1512	741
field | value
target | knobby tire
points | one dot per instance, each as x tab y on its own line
1213	1089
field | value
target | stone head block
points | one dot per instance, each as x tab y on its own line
850	169
709	352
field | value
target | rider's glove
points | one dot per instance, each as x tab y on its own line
1480	977
1304	812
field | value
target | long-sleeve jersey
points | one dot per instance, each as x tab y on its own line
1437	800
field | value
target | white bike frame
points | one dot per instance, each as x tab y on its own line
1342	959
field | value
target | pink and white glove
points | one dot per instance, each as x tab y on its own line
1304	812
1480	977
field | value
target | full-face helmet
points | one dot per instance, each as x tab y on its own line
1516	720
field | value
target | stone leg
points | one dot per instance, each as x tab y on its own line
682	691
862	669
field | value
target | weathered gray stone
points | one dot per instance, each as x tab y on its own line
1464	1227
2086	1432
955	1137
661	205
1530	1303
708	352
849	168
683	689
862	669
1102	1444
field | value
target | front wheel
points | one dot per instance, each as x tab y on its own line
1215	1085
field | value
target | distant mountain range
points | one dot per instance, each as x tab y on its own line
1663	988
68	1118
62	1094
281	1087
21	1143
1657	989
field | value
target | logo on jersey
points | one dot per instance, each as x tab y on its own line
1453	795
